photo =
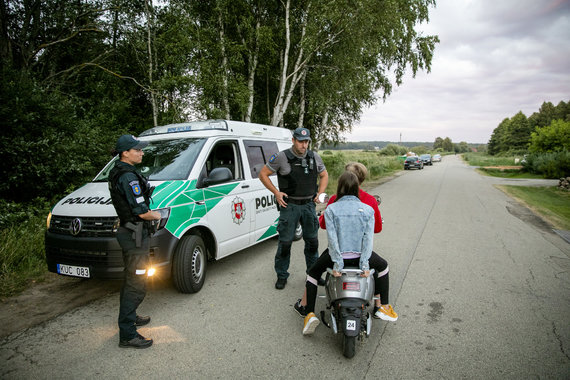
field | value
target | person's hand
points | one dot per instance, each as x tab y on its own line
279	197
365	273
336	273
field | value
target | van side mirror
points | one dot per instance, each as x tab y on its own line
218	175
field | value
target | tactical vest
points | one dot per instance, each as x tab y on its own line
119	201
301	182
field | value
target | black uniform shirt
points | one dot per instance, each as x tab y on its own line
130	187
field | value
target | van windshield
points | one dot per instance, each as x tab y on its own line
164	160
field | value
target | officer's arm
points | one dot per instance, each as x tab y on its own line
150	215
323	182
264	178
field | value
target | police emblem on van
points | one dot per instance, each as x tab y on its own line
238	210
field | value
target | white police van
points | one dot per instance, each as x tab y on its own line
207	189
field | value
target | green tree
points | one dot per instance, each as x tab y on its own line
552	138
447	145
463	147
438	143
497	142
518	133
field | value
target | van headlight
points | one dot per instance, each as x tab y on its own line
48	221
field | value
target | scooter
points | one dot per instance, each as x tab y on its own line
348	299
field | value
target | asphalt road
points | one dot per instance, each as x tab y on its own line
481	285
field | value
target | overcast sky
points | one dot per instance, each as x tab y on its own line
495	58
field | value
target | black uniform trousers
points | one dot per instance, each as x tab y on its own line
133	291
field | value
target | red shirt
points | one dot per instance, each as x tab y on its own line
364	198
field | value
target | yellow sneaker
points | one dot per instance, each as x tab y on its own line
311	323
387	313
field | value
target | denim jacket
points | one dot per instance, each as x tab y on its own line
350	229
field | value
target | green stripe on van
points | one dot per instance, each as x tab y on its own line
181	197
272	230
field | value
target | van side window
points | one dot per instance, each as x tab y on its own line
225	154
258	153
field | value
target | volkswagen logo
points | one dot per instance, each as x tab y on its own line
75	227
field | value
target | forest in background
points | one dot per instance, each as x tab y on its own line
77	74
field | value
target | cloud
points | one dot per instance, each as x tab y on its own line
495	58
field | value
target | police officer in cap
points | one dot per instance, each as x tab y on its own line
130	193
298	170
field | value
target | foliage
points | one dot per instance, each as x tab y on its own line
378	166
76	74
551	138
551	203
482	159
509	173
393	150
22	258
513	135
550	165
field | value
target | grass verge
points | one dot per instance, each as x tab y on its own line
550	203
508	173
378	166
22	258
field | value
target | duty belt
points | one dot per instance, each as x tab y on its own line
299	201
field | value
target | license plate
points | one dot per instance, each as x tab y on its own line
71	270
350	325
354	286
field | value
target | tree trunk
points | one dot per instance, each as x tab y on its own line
302	99
225	100
278	109
150	61
253	57
282	102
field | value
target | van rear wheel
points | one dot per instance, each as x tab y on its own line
189	264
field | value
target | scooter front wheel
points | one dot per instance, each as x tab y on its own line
349	346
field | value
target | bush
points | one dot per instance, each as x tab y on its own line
393	150
22	257
552	138
550	165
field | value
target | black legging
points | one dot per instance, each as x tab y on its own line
381	281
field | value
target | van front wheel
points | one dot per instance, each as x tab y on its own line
298	232
189	264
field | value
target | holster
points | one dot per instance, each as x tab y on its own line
137	229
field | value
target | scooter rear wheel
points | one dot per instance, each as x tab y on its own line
349	346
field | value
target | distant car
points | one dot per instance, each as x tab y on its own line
436	158
413	162
426	159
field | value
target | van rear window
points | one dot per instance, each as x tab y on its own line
164	160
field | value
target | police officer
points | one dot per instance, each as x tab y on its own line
298	170
130	193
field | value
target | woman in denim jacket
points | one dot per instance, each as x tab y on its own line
350	229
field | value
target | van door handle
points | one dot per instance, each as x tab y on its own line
201	203
245	186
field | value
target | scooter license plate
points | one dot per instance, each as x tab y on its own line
350	325
354	286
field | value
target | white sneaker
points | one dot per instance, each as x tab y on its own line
311	323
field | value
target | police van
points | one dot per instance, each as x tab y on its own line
207	191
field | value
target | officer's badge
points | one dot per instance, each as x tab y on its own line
136	188
272	158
